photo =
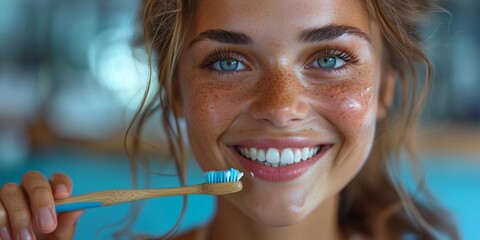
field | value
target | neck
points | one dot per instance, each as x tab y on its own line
231	223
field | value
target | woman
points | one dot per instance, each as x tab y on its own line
298	95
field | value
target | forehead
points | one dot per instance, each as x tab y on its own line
277	17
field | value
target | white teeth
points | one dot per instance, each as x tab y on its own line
253	153
261	156
247	153
298	156
305	153
273	156
287	156
277	158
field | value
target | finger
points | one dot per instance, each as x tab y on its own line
67	223
19	216
61	184
4	227
41	201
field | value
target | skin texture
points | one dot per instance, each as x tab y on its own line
279	97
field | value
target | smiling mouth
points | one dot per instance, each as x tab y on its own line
273	157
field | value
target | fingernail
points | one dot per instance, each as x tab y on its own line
26	234
4	234
45	218
61	189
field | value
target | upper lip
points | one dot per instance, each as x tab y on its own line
290	142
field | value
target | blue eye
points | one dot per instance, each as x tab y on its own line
228	65
329	62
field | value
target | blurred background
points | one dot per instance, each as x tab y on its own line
70	81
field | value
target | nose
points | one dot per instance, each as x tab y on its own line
279	100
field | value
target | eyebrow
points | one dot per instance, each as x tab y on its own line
223	36
330	32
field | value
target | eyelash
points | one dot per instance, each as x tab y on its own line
221	54
349	59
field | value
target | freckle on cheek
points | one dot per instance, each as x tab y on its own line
207	106
197	102
349	100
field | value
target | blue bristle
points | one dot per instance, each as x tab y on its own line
221	176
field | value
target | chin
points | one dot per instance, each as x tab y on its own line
284	219
276	207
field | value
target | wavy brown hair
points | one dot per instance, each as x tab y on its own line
374	203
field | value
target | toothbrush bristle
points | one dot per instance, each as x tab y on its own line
230	175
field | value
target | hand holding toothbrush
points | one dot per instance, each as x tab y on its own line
27	210
30	209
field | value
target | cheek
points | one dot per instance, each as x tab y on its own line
351	105
208	108
356	109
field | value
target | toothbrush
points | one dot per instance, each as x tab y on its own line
217	183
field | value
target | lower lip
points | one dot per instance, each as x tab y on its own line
279	174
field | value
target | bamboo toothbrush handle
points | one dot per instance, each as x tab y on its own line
110	197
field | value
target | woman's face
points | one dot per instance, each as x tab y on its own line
285	91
